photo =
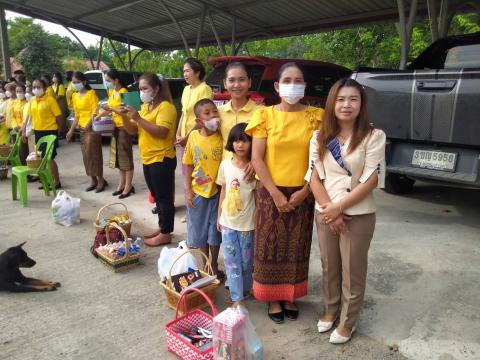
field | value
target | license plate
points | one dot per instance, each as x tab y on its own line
435	160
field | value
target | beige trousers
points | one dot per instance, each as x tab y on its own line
344	265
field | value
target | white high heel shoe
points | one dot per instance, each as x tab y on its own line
324	326
336	338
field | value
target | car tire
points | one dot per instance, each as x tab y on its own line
398	184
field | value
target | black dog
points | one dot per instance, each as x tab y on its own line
11	279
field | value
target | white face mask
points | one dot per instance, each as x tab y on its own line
28	96
37	92
212	124
291	93
146	96
8	94
21	96
78	86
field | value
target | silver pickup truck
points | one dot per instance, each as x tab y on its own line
430	113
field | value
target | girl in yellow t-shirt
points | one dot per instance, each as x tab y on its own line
285	207
46	116
85	107
121	153
155	125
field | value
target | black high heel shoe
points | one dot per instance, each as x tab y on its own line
123	196
290	314
100	189
117	192
278	317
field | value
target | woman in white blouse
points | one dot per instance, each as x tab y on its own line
347	162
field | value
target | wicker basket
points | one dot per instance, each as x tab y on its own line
34	163
5	150
122	263
194	300
127	227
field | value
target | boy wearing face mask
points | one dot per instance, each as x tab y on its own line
203	154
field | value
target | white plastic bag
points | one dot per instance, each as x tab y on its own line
169	255
66	209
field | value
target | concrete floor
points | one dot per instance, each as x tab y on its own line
422	295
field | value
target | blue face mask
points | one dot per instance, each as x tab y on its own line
109	85
78	86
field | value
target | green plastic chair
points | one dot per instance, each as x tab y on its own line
14	157
20	173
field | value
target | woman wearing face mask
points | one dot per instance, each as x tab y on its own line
155	125
17	122
46	117
59	91
240	108
27	121
348	163
11	97
85	108
121	153
285	206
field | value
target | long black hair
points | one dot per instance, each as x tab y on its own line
115	75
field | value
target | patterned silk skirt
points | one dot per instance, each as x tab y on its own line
282	247
121	153
92	152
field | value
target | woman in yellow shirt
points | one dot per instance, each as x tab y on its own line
240	108
60	92
285	207
155	125
11	97
197	89
46	115
121	153
17	123
85	107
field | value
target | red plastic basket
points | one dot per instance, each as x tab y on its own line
177	344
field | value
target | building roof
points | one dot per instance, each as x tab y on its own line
154	24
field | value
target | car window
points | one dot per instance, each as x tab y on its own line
215	78
101	94
176	88
127	78
319	80
94	78
467	56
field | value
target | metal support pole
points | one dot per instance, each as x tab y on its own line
234	34
136	55
443	25
217	37
200	31
403	33
7	71
129	55
179	28
411	22
118	55
81	44
432	14
99	56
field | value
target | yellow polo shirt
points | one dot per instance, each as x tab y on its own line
18	107
61	89
114	101
190	96
44	111
229	118
85	106
288	139
205	154
69	93
153	149
50	92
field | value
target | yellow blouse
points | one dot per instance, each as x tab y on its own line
69	93
153	149
50	92
190	96
44	112
9	113
85	106
18	106
230	118
114	101
288	137
61	89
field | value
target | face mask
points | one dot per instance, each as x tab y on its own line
145	96
28	96
55	79
109	85
291	93
78	86
212	124
8	94
37	92
21	96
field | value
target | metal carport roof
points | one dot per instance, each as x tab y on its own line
174	24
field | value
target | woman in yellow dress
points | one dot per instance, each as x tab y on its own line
121	153
85	107
17	122
285	207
